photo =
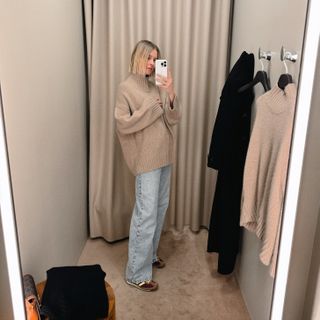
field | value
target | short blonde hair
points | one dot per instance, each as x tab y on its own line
140	55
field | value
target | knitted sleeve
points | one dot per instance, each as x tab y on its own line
172	111
129	120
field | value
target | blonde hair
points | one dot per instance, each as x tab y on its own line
140	55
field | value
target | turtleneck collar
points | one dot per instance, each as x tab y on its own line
280	100
141	80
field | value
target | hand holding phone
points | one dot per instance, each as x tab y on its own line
161	69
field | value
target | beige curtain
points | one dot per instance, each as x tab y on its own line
193	36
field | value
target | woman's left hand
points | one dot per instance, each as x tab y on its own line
167	84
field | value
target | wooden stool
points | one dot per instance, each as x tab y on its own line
111	297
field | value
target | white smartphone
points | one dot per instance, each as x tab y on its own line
161	68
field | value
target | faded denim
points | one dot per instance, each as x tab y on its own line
152	200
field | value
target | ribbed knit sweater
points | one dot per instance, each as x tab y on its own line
144	124
265	170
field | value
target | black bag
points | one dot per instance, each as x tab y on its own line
75	293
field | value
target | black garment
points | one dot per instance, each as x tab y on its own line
75	292
228	148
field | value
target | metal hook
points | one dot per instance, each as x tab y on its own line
264	55
287	55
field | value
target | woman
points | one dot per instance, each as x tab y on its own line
144	127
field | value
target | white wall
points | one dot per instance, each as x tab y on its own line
42	75
268	25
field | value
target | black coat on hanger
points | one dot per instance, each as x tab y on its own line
227	153
260	77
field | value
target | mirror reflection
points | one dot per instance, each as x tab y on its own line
73	191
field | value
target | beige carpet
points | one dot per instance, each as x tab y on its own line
189	286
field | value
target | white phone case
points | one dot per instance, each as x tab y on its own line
161	68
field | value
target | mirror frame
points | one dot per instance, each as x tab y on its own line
7	215
303	106
308	67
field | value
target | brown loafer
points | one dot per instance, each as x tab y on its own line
148	285
159	263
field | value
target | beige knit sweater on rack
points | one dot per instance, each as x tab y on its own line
144	124
265	170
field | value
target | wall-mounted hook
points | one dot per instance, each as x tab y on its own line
264	55
287	55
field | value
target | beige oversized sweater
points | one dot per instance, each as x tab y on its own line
265	170
144	124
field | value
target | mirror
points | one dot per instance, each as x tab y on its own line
41	218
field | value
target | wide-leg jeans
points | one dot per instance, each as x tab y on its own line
152	200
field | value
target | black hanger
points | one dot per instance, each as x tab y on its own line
260	77
284	80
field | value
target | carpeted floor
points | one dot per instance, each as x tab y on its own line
189	286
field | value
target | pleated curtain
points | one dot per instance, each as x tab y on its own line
193	36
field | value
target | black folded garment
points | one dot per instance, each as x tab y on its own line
77	292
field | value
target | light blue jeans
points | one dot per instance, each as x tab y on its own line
152	200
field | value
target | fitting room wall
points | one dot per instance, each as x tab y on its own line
268	25
42	75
